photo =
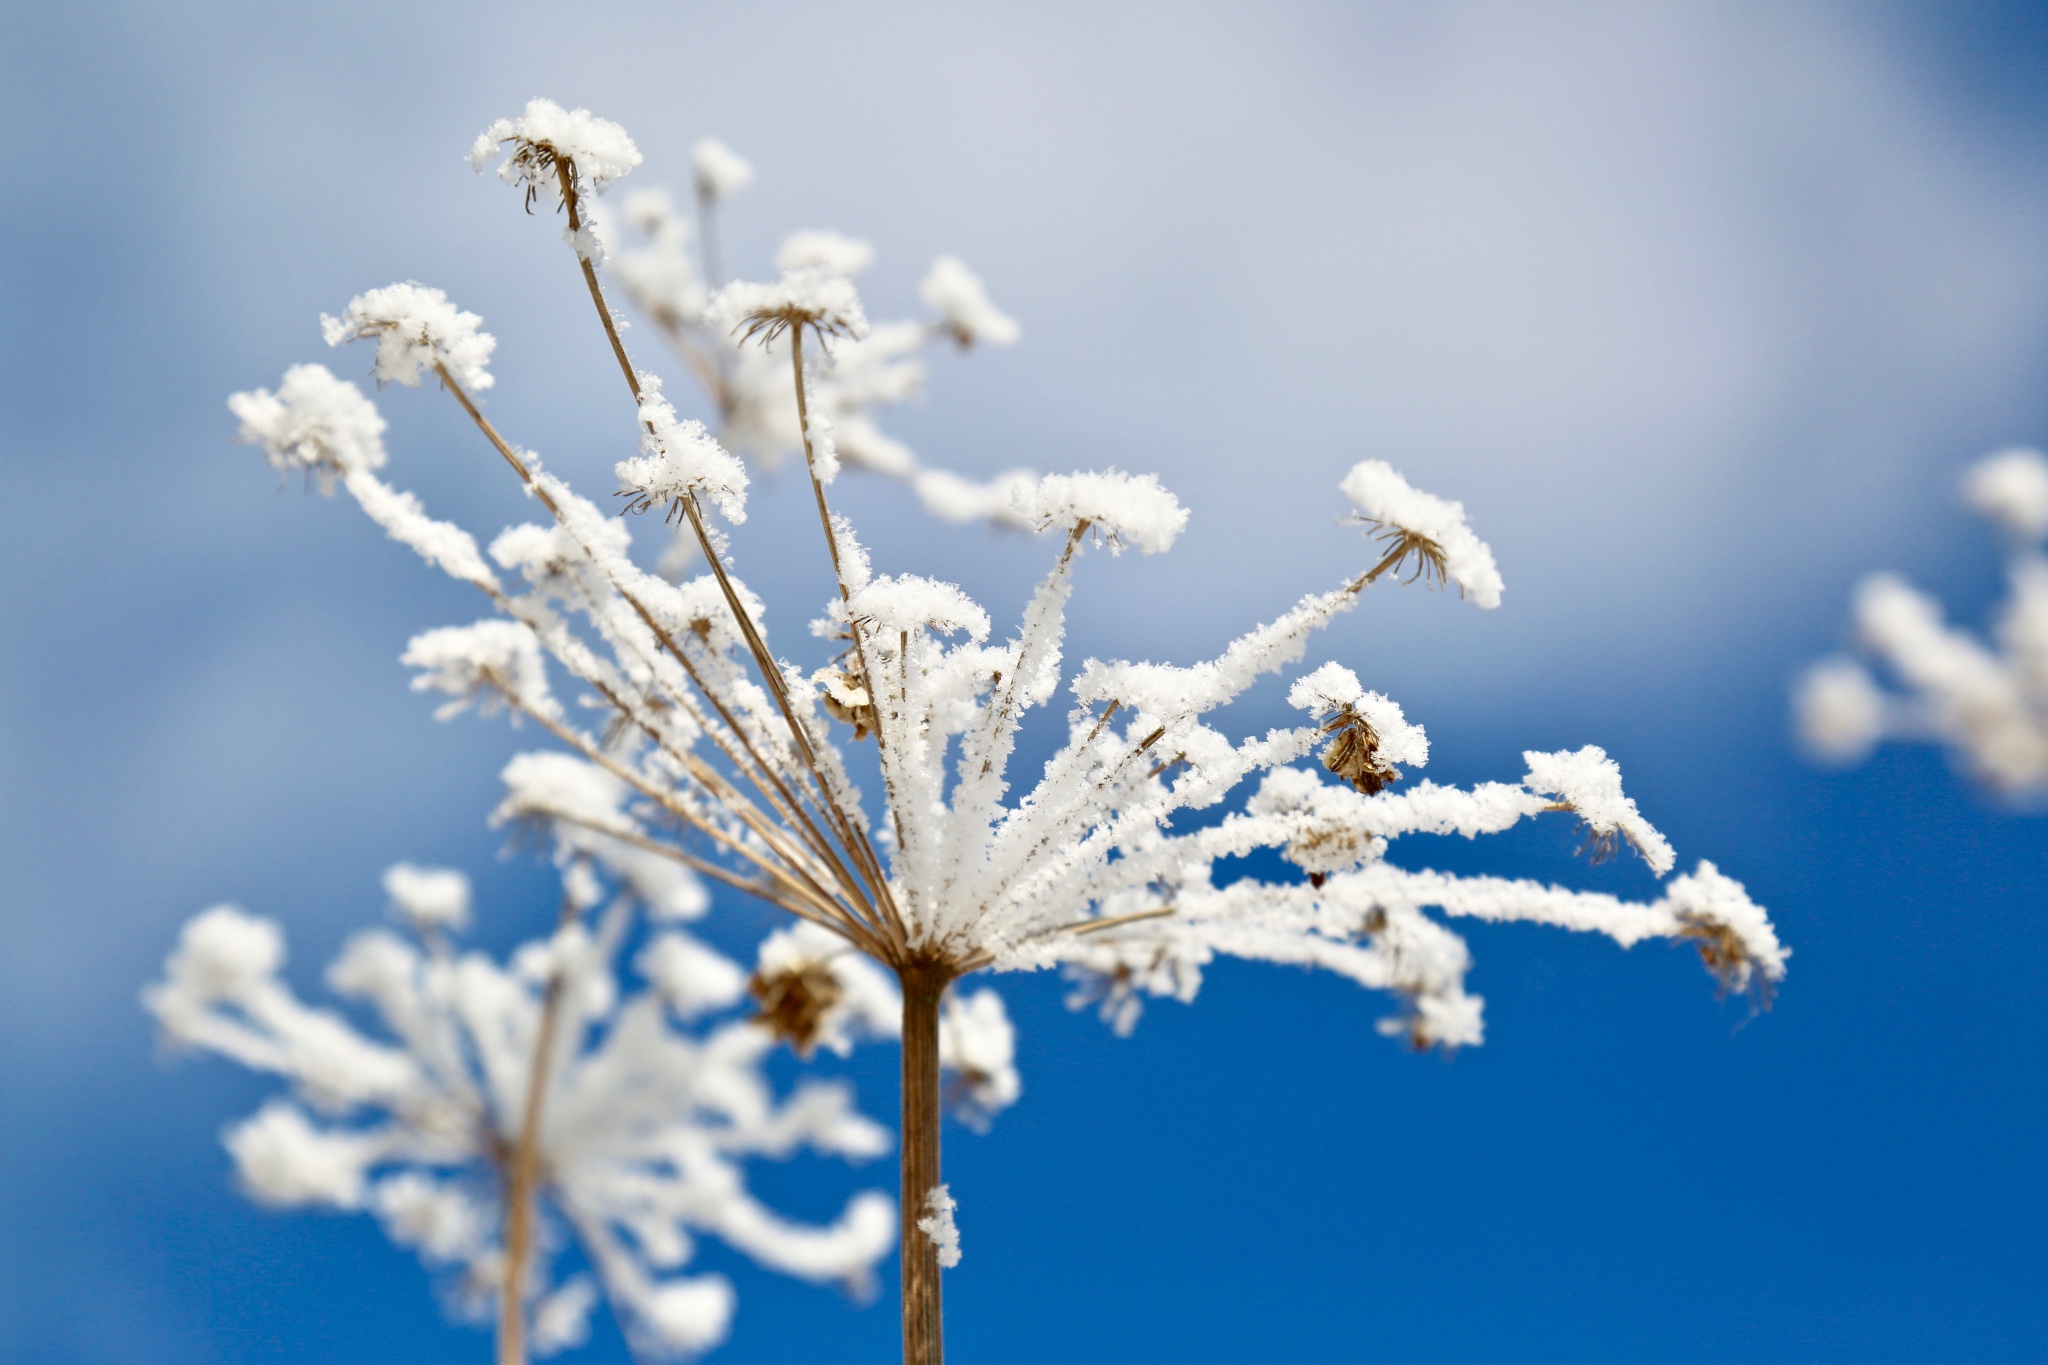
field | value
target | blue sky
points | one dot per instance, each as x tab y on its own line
1699	308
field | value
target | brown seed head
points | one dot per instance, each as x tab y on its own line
1354	753
1422	556
793	1003
1728	958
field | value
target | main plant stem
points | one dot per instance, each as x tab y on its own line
924	987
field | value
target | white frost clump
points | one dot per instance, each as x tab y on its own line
284	1161
2011	489
1839	711
721	172
416	329
1124	852
646	1129
1588	783
486	665
599	149
1333	689
938	1225
695	980
828	251
429	899
1124	509
314	423
679	458
961	301
1986	700
1383	496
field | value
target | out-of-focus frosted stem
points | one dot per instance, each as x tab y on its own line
522	1177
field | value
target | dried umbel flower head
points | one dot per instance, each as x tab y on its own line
822	300
417	331
1104	858
679	459
547	144
1733	935
315	424
1368	733
1426	534
1587	783
1119	509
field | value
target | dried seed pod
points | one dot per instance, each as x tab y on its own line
794	1003
1354	753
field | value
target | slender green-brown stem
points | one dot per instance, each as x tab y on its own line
924	987
522	1175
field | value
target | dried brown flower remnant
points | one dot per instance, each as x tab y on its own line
844	695
1406	545
1730	961
820	301
1354	753
795	1001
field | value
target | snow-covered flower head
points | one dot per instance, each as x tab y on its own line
315	423
1122	509
961	301
548	143
1424	531
1368	734
721	172
813	991
822	300
489	664
417	330
1733	934
1587	783
679	459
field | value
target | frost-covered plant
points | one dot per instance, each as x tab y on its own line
1116	861
673	273
511	1109
1986	701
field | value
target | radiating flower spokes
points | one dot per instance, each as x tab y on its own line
718	755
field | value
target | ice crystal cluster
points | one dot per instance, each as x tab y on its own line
1986	700
697	741
652	1103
